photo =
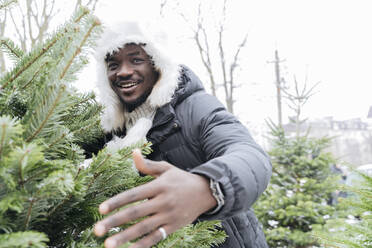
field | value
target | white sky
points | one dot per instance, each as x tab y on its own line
330	39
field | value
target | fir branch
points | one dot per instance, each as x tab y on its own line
77	104
31	62
68	197
141	181
28	216
10	48
23	239
49	114
84	128
83	12
35	175
77	174
84	100
21	179
335	241
110	187
3	134
57	140
6	4
332	246
43	50
79	48
204	233
34	76
97	174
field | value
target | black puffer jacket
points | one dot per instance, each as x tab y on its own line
195	133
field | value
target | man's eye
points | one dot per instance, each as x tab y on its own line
137	60
112	66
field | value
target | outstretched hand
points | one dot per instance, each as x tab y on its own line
174	199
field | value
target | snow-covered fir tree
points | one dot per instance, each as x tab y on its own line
296	200
352	227
300	187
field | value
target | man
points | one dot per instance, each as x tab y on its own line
205	162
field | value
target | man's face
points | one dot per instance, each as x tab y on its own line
131	75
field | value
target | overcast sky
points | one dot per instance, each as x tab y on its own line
330	40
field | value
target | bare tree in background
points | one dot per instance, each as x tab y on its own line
34	22
3	17
30	19
279	82
163	3
4	6
89	3
222	66
298	99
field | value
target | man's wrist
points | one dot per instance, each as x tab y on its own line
218	196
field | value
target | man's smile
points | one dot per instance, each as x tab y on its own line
127	84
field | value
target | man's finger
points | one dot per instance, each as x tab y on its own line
148	167
126	215
139	193
138	230
153	238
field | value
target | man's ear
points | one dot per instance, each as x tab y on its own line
158	74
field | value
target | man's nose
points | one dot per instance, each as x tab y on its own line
125	70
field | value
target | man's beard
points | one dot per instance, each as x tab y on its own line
130	106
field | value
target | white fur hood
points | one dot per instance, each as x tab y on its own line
114	38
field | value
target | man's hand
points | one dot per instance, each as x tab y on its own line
175	198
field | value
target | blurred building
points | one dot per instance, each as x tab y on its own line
351	139
369	112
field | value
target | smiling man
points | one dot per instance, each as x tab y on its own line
131	75
205	162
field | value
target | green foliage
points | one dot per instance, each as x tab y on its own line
28	239
354	229
4	4
191	235
296	198
8	47
202	235
9	129
49	191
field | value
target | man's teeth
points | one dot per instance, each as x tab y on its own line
127	85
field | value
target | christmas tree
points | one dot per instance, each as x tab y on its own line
300	188
353	226
295	201
48	195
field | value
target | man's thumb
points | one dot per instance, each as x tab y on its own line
146	166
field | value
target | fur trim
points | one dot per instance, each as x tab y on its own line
135	134
114	38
